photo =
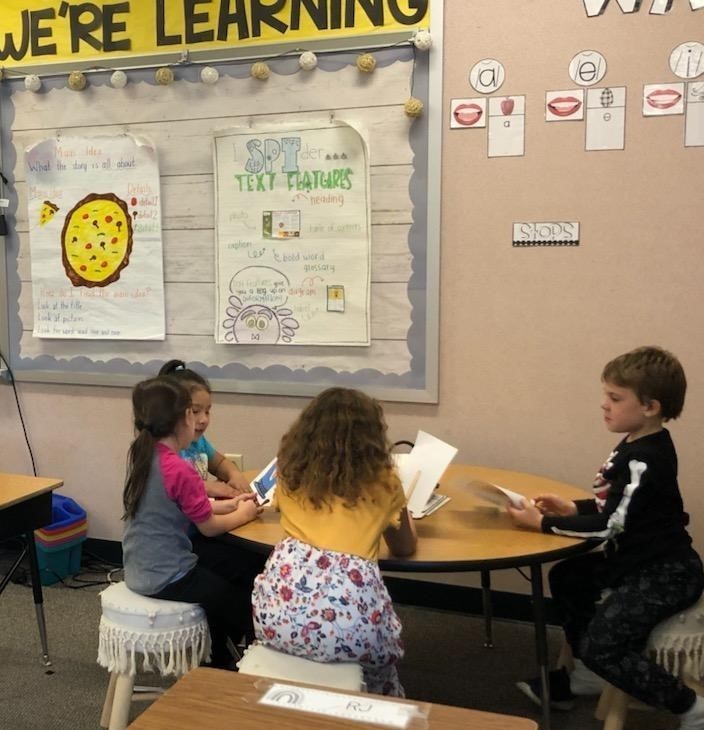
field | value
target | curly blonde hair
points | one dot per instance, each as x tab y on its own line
336	447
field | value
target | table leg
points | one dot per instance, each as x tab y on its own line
541	639
486	605
38	597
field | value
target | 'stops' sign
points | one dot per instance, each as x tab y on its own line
34	32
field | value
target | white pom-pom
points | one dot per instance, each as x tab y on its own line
209	75
32	82
308	60
422	40
118	79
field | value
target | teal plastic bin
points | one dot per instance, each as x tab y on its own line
59	543
60	562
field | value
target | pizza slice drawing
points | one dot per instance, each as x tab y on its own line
46	212
96	240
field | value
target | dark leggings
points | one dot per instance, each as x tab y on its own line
609	631
221	583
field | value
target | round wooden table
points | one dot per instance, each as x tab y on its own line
469	534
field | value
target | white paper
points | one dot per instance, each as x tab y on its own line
94	216
350	707
694	115
514	498
428	460
506	126
606	118
293	235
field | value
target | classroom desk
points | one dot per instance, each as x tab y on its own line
467	535
220	700
25	505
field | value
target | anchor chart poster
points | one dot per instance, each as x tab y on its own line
95	238
292	236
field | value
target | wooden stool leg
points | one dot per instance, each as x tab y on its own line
615	715
602	708
122	699
107	705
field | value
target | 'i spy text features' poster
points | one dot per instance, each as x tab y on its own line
292	236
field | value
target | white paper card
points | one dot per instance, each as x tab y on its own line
427	461
694	115
514	498
506	126
335	704
663	99
606	118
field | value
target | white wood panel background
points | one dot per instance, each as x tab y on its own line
181	119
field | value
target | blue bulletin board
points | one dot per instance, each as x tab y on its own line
400	360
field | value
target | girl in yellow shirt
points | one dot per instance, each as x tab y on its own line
321	595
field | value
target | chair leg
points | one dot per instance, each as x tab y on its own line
107	705
122	700
602	708
612	708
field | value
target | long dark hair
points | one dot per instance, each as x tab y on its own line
158	405
190	378
337	446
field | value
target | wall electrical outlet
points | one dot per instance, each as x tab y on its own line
237	460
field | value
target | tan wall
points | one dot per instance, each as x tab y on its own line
524	332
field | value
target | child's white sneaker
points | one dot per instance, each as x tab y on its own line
584	682
693	719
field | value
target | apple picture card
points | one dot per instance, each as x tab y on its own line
564	106
506	126
606	118
662	99
694	115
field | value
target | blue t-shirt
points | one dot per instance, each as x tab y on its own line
199	453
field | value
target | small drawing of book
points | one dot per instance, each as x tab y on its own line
264	484
495	494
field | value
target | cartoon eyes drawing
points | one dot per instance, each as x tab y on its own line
257	324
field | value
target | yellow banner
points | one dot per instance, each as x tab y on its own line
36	32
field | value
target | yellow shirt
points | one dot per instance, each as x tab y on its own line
356	530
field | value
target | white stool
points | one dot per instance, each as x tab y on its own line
171	636
265	662
677	644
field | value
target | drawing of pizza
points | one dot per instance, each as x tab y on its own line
46	212
96	240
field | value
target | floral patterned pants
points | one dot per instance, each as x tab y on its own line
329	607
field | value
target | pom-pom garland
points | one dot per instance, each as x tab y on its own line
209	75
422	40
366	63
260	70
164	76
308	60
32	82
118	79
77	81
413	107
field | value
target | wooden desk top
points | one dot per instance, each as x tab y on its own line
464	534
16	488
219	700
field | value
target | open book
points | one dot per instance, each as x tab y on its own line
500	496
264	484
420	472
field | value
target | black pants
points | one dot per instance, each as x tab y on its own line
221	583
609	629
